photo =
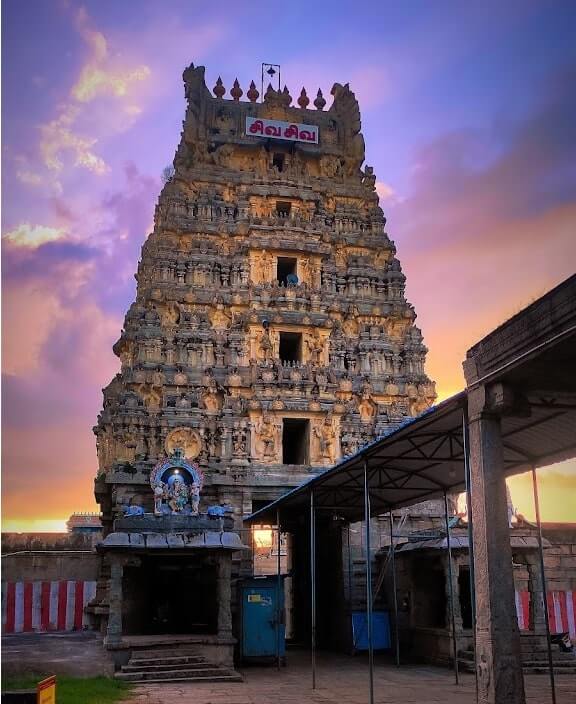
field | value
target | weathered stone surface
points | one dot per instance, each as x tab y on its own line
269	297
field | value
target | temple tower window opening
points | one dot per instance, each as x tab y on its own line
290	347
295	441
283	208
285	267
278	160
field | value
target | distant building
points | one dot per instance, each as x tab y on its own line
84	523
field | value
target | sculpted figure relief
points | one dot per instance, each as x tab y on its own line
316	347
220	319
268	436
239	445
266	262
185	439
265	346
326	436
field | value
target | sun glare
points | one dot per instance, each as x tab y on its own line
34	526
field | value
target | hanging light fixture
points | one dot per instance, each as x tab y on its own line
272	70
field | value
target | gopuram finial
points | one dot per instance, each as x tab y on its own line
319	102
219	89
236	91
303	100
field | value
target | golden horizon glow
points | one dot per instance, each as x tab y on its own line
35	525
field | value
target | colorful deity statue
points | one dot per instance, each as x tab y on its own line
159	495
177	495
195	497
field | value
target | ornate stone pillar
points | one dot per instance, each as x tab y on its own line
114	628
498	658
224	595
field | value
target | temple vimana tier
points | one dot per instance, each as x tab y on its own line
270	335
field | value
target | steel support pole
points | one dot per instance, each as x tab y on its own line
544	590
279	592
451	590
368	584
350	600
394	590
467	478
313	587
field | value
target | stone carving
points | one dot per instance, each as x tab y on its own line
315	347
265	346
176	485
239	444
185	439
201	367
326	436
268	438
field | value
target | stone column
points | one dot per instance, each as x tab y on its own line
536	589
114	628
498	658
224	595
455	592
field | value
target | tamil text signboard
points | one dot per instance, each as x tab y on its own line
276	129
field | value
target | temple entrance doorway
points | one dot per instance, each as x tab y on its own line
170	595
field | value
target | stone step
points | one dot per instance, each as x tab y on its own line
168	660
165	651
207	675
157	667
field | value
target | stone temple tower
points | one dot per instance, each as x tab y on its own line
270	335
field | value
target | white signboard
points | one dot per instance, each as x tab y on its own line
276	129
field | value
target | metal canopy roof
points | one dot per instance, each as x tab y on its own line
533	353
425	457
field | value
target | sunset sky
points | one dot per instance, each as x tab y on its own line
469	116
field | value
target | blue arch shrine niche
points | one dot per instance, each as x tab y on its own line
176	483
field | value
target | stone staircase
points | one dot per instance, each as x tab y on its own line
534	658
173	665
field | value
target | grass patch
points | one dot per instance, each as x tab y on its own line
73	690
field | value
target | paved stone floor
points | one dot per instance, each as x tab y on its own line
76	654
343	680
339	678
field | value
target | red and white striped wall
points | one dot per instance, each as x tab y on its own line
561	611
523	609
45	606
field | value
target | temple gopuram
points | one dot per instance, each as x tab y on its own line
270	336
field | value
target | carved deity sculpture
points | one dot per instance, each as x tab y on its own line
265	266
315	347
177	495
326	435
267	437
194	498
265	346
239	442
186	439
160	494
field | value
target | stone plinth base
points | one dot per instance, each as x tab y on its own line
216	650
